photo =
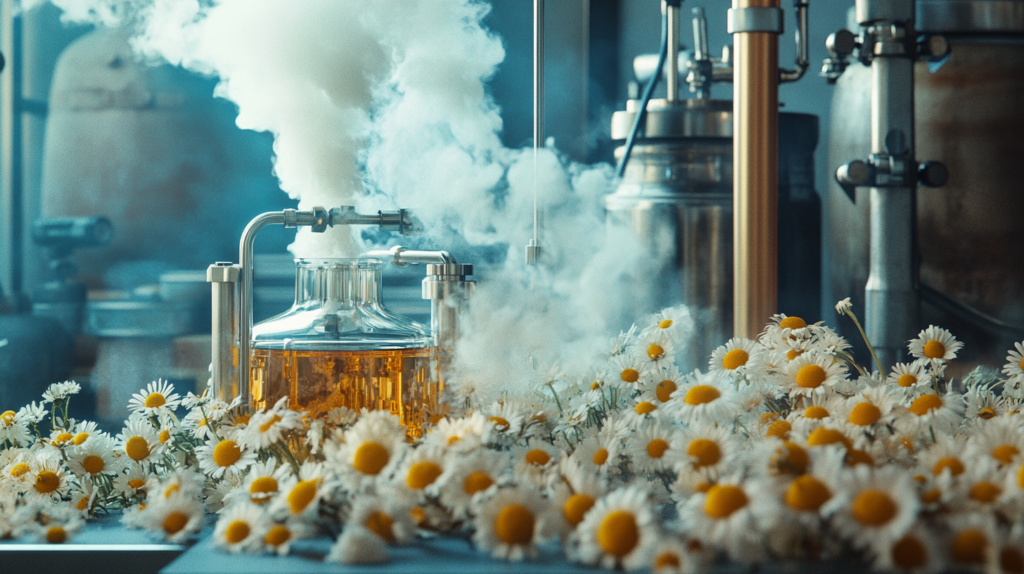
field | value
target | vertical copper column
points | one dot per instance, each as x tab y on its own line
755	172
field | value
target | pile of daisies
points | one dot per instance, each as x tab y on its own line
785	449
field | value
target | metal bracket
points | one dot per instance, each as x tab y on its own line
757	19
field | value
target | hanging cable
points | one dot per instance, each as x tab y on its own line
651	84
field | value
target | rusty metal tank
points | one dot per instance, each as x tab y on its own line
968	116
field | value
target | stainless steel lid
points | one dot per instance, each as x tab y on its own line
682	119
970	16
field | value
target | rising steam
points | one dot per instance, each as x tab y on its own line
384	104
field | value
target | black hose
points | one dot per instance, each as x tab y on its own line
651	84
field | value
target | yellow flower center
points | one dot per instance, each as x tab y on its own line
667	560
629	375
477	481
80	438
925	404
137	448
792	354
864	414
666	323
655	351
985	492
576	507
956	468
932	496
93	464
7	418
934	350
701	395
807	493
824	436
155	400
136	483
273	421
618	533
1005	453
986	413
226	453
165	435
724	499
1011	560
514	525
171	490
735	359
537	457
419	515
237	531
705	451
175	522
301	495
906	380
62	439
656	448
262	486
56	535
242	419
665	389
600	456
779	429
816	412
453	439
47	481
422	474
371	458
810	377
277	536
19	470
792	459
855	457
873	508
499	423
909	553
382	525
969	547
792	323
645	408
83	503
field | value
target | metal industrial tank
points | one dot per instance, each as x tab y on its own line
968	116
676	194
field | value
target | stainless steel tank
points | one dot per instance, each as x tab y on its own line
676	194
968	116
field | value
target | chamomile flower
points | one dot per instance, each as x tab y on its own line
1006	551
736	357
14	430
372	450
94	457
504	418
265	428
911	378
1001	440
618	531
263	482
32	413
919	551
970	538
241	528
732	515
649	448
599	452
388	515
60	391
83	495
983	404
812	374
139	440
421	469
177	518
158	398
782	331
342	417
533	462
657	348
941	414
224	458
817	411
357	545
574	491
300	495
873	507
85	430
676	322
510	523
980	488
869	412
466	433
133	481
711	398
47	480
469	475
280	535
629	372
1014	369
672	555
668	381
935	344
705	449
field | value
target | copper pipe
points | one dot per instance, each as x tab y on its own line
755	176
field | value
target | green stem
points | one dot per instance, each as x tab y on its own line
291	457
551	387
209	423
867	342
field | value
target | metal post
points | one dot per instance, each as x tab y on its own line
672	64
11	202
533	248
755	26
223	279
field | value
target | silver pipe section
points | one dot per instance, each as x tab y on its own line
803	57
223	279
401	256
533	247
672	12
245	256
700	35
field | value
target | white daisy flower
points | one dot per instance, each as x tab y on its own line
971	535
533	462
819	410
263	482
628	371
342	417
300	496
467	476
14	430
387	514
598	452
1001	440
669	381
32	413
83	495
657	348
372	450
935	344
357	545
619	531
845	306
706	449
464	433
177	518
158	398
711	398
920	551
941	414
47	480
139	440
733	515
737	356
94	457
60	391
912	378
671	555
574	491
812	374
873	506
224	458
132	481
676	322
84	430
1014	371
981	488
649	448
781	331
983	405
421	469
1007	550
265	428
870	411
17	470
280	536
510	522
504	418
241	528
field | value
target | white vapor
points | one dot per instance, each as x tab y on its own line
384	104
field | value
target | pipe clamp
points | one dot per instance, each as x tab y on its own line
756	19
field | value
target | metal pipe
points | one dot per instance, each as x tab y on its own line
401	256
755	163
223	279
672	13
245	256
803	57
533	248
11	198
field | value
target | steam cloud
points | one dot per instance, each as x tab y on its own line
384	104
